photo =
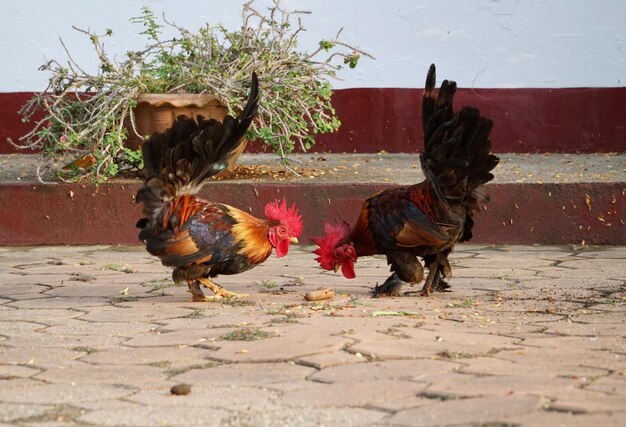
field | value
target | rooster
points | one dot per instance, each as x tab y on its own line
427	219
199	238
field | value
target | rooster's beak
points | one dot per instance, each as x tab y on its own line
337	267
293	240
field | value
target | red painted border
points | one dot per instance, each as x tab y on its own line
34	214
570	120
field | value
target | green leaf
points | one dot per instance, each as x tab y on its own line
394	313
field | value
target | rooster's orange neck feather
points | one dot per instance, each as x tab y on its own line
251	232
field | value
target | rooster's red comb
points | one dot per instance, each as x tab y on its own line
278	211
334	232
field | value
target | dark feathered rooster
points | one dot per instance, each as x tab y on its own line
427	219
202	239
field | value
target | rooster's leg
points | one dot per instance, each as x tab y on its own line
433	276
443	270
218	290
196	293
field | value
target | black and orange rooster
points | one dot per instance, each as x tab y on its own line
427	219
202	239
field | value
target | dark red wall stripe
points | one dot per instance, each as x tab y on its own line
374	119
34	214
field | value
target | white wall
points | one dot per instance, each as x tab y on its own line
479	43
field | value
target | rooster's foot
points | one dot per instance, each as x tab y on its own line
219	291
391	287
205	298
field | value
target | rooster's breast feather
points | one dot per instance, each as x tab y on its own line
403	217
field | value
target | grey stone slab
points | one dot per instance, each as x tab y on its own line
326	360
614	385
260	374
467	385
419	370
475	411
552	418
424	344
113	329
62	394
10	412
361	394
58	302
12	290
37	356
47	340
202	337
545	366
83	373
228	397
586	401
17	371
150	416
41	314
506	331
146	311
164	356
293	417
17	328
293	343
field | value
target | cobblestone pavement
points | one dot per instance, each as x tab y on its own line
97	336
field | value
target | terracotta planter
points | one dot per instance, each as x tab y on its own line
157	112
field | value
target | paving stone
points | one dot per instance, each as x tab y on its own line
599	344
325	360
563	361
598	318
293	343
203	337
424	344
578	329
467	385
148	416
37	315
509	327
145	312
14	411
609	385
566	368
232	397
419	370
481	411
8	328
84	373
295	417
62	394
95	289
496	260
114	329
16	371
13	290
585	401
361	394
37	356
44	339
163	356
548	418
261	374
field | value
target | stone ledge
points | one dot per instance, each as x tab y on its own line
536	199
